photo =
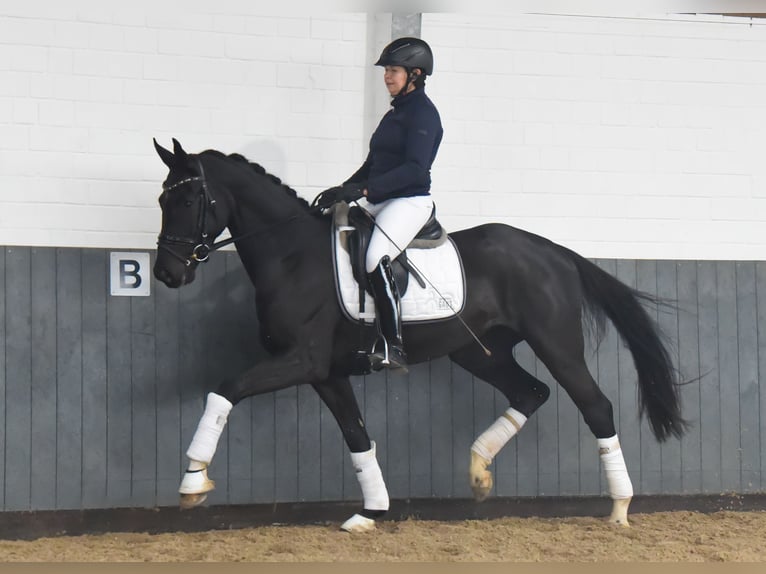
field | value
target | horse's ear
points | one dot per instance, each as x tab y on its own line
178	150
166	156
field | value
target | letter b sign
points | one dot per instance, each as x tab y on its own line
129	274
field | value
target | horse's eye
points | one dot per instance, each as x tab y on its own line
189	203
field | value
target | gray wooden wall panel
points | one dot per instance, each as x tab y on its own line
44	337
398	436
747	392
102	395
69	374
264	464
18	396
462	427
760	299
440	427
419	444
309	452
144	402
728	391
119	401
94	376
710	401
689	365
3	370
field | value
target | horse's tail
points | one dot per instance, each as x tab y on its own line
658	395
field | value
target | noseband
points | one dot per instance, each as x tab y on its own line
202	246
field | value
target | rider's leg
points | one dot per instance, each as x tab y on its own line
397	223
389	318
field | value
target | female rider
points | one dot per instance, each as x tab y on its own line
394	182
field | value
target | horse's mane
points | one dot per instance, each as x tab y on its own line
257	168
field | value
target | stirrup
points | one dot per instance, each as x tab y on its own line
392	357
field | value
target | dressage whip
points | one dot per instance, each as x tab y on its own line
424	276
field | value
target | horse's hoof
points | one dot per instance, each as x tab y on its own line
188	501
481	478
619	514
196	482
358	523
481	489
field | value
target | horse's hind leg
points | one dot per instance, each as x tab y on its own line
562	352
339	397
524	392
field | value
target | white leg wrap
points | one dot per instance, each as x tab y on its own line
209	429
370	478
492	440
613	462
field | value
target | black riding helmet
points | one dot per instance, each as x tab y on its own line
408	53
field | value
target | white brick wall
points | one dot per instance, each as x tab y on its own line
85	86
619	137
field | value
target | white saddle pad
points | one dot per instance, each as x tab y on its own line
441	268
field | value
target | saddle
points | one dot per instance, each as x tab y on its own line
430	236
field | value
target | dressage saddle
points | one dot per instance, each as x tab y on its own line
431	235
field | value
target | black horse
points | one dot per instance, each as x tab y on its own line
519	287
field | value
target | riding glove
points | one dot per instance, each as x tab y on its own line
347	192
352	191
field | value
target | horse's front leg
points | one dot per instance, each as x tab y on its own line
338	395
293	368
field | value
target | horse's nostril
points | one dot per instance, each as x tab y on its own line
162	274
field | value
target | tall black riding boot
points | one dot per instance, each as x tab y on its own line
389	321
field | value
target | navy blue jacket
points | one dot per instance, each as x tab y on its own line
402	149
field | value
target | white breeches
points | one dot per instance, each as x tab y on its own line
401	218
613	462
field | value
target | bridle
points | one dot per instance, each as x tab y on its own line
202	246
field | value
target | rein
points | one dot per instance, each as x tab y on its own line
202	247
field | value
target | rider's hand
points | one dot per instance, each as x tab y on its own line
328	197
351	191
348	192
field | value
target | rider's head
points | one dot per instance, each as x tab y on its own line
412	54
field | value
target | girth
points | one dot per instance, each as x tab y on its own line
431	235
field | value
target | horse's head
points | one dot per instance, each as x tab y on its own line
191	220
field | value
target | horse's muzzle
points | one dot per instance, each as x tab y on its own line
174	280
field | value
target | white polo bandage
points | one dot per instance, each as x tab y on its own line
613	462
209	429
492	440
370	478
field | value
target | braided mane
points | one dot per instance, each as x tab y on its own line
257	168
